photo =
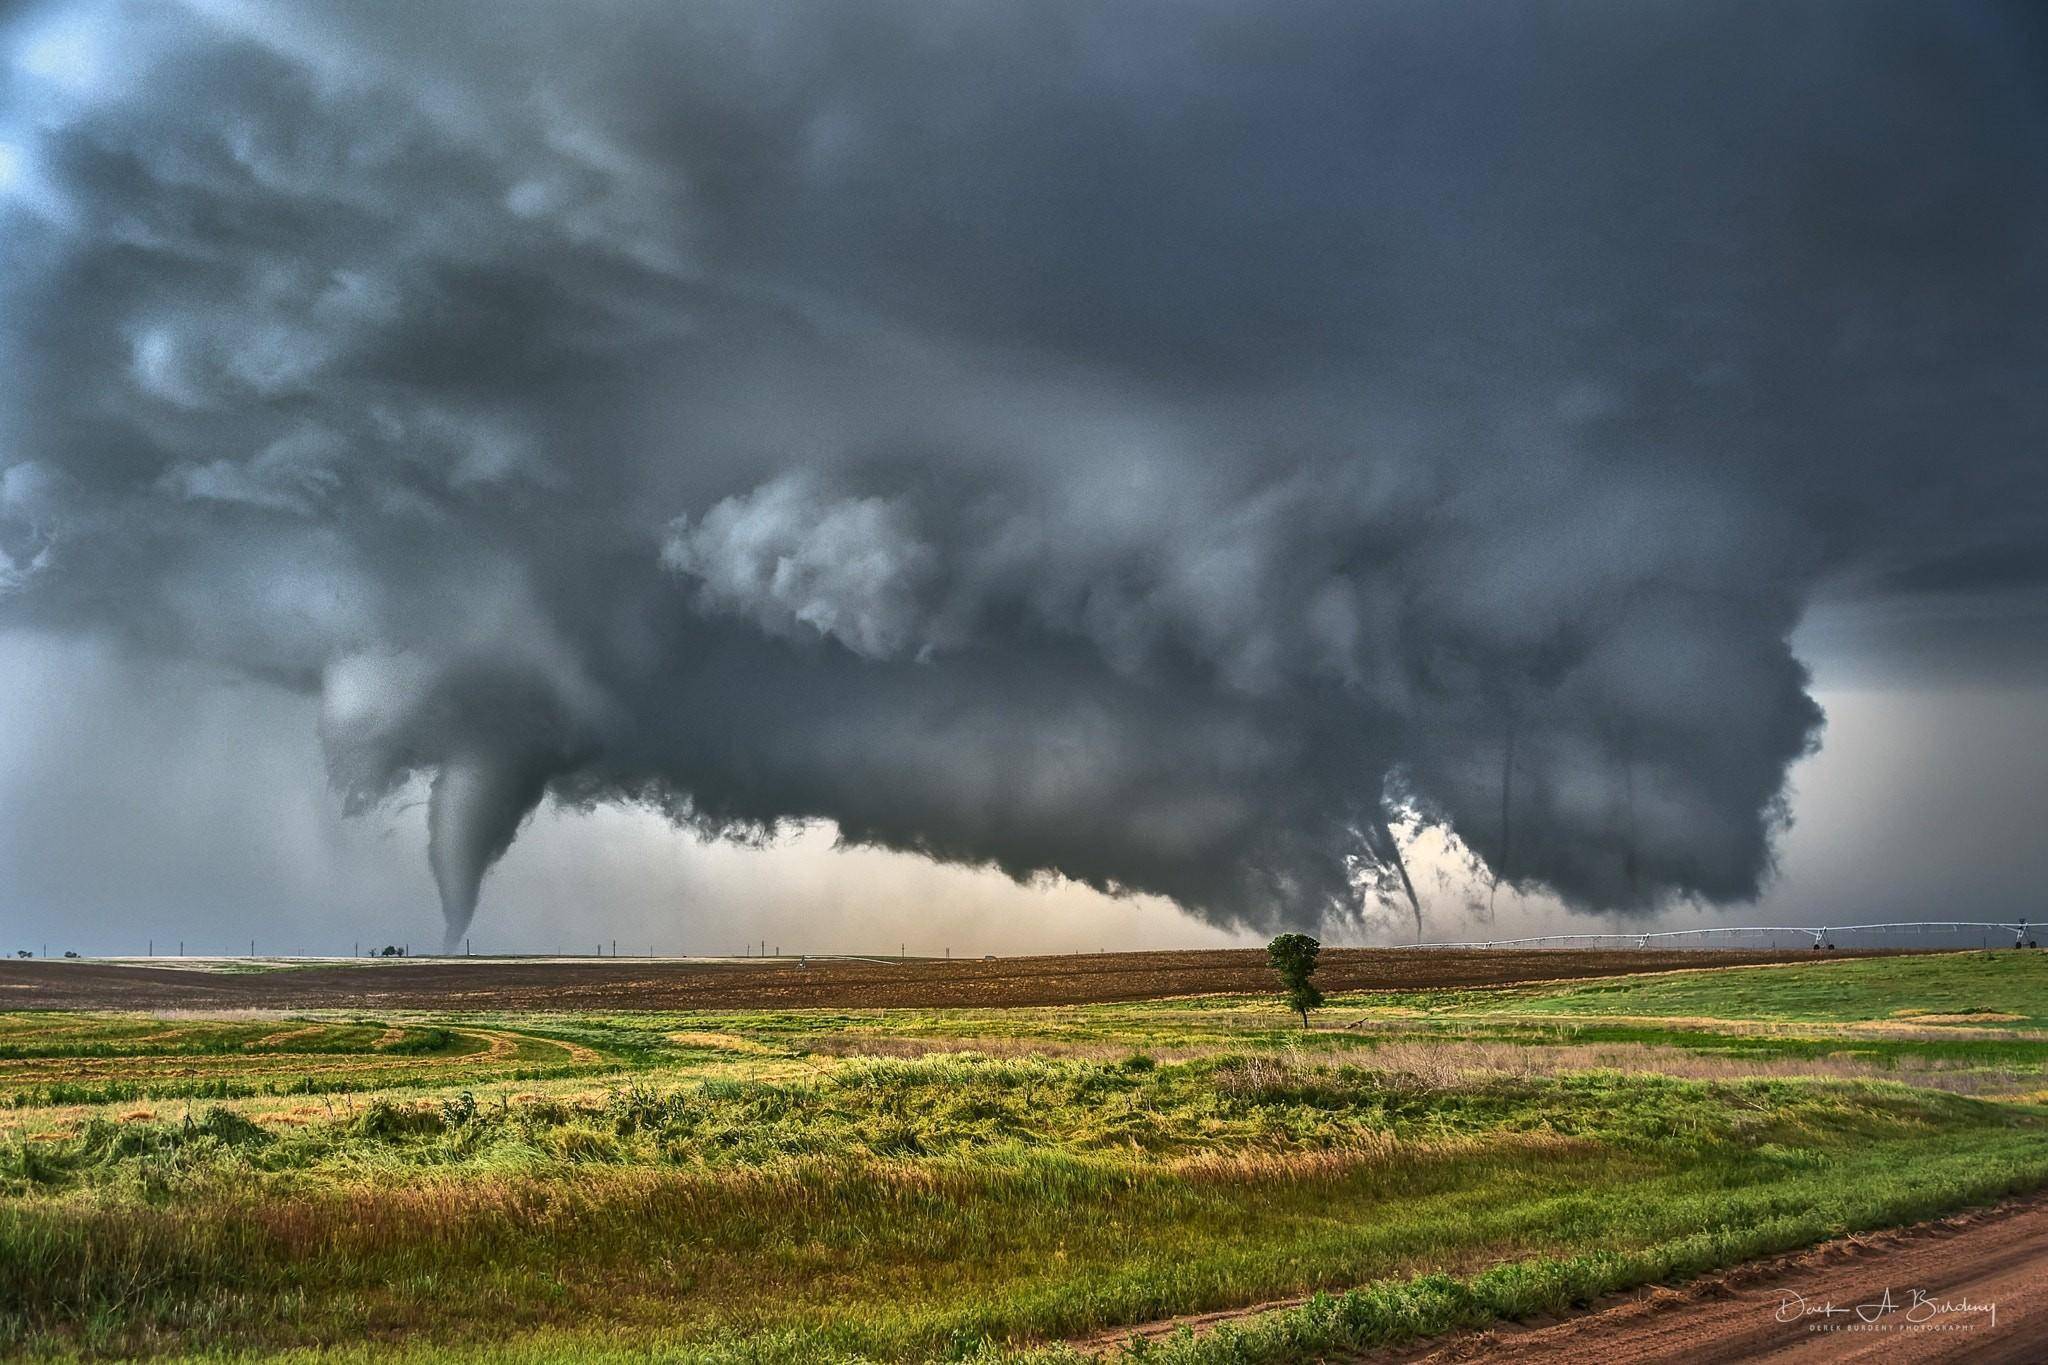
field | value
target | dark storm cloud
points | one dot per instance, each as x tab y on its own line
1168	445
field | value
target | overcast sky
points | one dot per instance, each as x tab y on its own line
1011	477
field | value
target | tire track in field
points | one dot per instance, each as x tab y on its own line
496	1049
1969	1288
1966	1289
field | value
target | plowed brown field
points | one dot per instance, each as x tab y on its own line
625	983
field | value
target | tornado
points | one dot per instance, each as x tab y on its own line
475	807
1387	850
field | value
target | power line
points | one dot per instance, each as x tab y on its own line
1824	934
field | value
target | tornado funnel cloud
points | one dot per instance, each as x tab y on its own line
1389	850
475	808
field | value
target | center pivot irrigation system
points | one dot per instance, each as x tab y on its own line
1823	938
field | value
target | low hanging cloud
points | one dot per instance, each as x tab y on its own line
1177	448
800	565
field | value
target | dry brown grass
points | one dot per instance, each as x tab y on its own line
1362	1151
286	1035
724	1042
1006	1049
1445	1065
1438	1064
1918	1029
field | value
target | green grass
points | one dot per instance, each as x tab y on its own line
1851	989
981	1184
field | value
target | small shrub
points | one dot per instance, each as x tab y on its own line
231	1129
384	1121
643	1108
580	1142
545	1114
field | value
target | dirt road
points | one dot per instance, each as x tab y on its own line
1973	1288
628	983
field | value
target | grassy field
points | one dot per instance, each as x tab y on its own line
989	1184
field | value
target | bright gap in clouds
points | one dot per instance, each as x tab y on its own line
143	801
64	52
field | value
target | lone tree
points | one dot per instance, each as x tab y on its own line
1294	957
